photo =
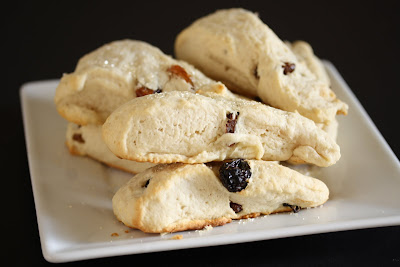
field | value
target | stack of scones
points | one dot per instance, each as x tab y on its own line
205	133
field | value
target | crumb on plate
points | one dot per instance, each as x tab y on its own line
176	237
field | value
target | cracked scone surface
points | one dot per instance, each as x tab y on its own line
111	75
234	46
192	128
177	197
87	141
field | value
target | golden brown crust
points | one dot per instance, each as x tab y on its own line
193	225
200	224
73	150
197	225
258	214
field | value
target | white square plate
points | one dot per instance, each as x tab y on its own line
73	194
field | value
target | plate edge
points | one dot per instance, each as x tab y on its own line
370	123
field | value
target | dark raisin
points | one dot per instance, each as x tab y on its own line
181	72
147	183
258	99
235	175
236	207
78	138
294	208
158	91
231	122
142	91
288	67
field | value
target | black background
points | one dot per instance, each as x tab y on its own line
43	40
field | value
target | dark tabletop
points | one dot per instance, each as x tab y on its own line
42	41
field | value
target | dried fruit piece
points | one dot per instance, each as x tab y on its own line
142	91
288	67
181	72
146	184
231	123
294	208
78	138
236	207
235	175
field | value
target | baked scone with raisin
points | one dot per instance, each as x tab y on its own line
305	54
177	197
193	128
235	47
110	76
117	72
86	140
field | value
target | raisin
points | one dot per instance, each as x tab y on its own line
142	91
78	138
258	99
231	122
236	207
235	175
146	184
181	72
294	208
158	91
288	67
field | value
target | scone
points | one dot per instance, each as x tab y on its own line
117	72
235	47
331	129
178	197
110	76
87	141
192	128
305	55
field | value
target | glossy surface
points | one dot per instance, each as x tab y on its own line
73	194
